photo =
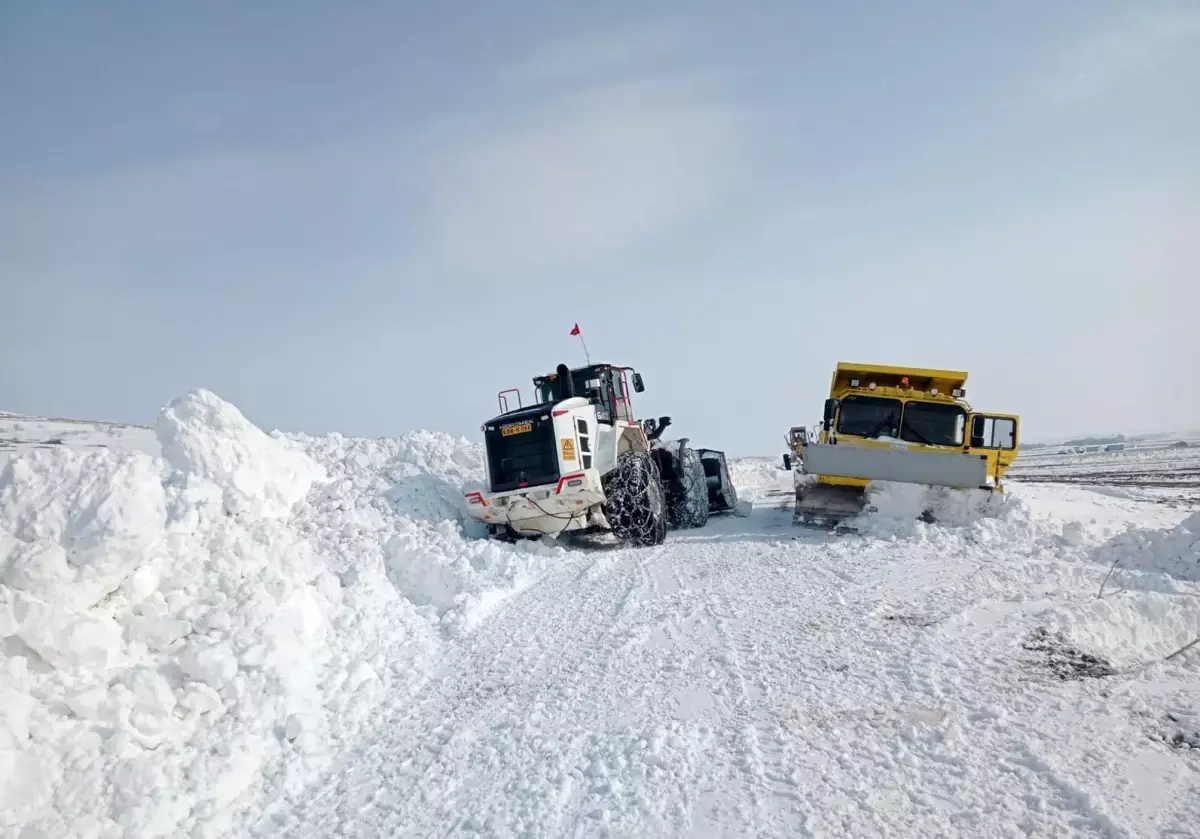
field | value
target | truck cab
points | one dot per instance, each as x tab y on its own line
908	425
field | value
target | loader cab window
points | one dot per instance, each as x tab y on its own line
933	424
550	388
869	416
599	384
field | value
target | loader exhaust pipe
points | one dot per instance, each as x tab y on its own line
568	384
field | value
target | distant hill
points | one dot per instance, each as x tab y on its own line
1108	439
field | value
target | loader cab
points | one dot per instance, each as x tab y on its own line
606	386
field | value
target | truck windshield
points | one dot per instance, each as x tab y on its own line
869	416
933	424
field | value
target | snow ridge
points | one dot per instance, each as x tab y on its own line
183	636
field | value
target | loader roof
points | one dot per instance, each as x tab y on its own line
920	377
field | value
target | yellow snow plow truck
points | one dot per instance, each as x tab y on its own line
896	424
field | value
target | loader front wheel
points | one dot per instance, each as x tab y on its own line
636	506
690	501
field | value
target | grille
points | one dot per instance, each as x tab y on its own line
530	458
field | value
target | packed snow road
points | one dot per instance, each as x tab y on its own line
742	681
210	631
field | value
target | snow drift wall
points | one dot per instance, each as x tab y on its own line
180	636
1174	552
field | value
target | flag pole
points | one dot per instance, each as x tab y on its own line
579	333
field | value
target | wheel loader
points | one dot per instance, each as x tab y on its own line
909	425
578	461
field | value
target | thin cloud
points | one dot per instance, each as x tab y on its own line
609	54
597	170
1136	46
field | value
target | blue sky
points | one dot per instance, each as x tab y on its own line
371	217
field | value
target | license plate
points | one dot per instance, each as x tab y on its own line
516	428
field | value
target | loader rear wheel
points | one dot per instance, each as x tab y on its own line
636	507
689	506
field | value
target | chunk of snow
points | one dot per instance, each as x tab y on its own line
203	436
75	524
213	664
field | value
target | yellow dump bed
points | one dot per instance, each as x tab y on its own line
883	375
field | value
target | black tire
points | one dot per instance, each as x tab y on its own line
636	507
689	501
503	533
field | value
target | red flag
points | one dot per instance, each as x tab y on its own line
575	331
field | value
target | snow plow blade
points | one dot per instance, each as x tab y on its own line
827	505
915	466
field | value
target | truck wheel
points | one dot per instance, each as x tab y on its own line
636	507
690	501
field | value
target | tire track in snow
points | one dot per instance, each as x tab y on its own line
512	748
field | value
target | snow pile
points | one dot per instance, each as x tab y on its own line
755	477
895	510
179	637
458	582
208	441
75	525
401	502
422	473
1174	552
1128	628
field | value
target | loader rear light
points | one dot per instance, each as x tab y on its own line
573	480
957	392
871	386
561	412
933	391
854	383
475	498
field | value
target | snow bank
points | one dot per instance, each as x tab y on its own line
435	555
1174	551
1130	628
180	636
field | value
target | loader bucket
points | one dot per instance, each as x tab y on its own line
826	505
722	496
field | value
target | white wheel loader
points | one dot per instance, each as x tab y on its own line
578	461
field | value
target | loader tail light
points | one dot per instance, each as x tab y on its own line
854	383
575	479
